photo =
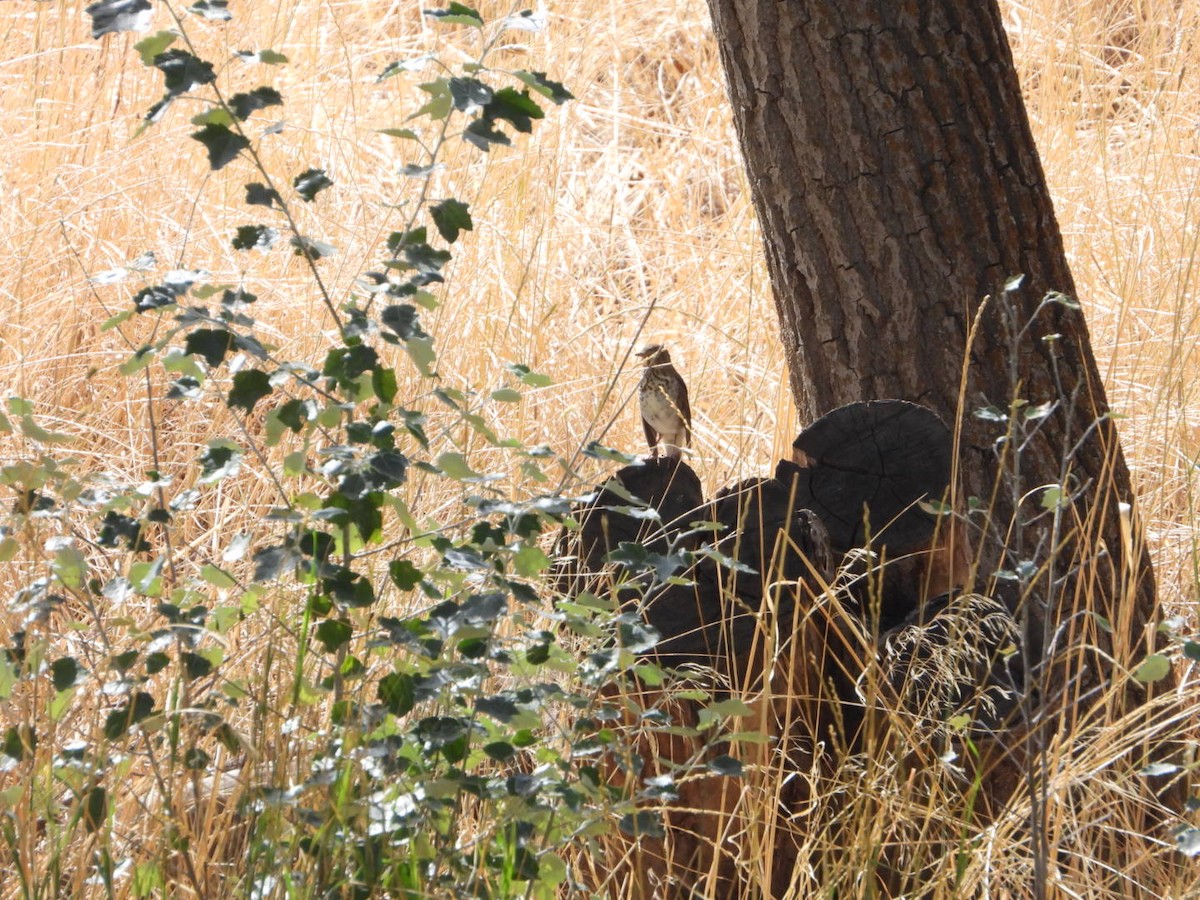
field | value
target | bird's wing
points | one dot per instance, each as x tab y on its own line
685	409
651	434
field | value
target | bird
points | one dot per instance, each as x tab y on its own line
663	397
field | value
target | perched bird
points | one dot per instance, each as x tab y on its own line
663	396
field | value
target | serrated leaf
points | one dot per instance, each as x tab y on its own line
182	71
554	90
311	247
111	16
211	344
254	237
404	574
259	98
456	14
221	459
64	672
120	720
515	107
260	195
311	182
334	633
530	561
215	10
469	94
451	217
483	133
1154	667
150	47
525	20
402	319
440	102
223	145
397	692
249	386
421	352
404	65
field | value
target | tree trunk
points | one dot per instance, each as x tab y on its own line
897	184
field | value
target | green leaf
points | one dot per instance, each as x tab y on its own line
402	133
554	90
404	574
214	116
254	237
119	319
150	47
243	104
1154	667
217	577
469	94
483	133
182	71
111	16
222	144
249	386
194	665
455	465
311	247
120	720
440	102
515	107
260	195
311	182
1191	649
456	14
420	350
267	57
216	10
397	692
643	823
726	765
451	217
95	809
506	395
136	363
64	672
729	708
36	432
530	560
70	566
210	344
334	633
221	459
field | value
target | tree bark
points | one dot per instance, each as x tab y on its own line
897	185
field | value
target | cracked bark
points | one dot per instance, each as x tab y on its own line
897	184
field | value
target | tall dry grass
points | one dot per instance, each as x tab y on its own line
626	217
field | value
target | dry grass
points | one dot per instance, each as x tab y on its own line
626	216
